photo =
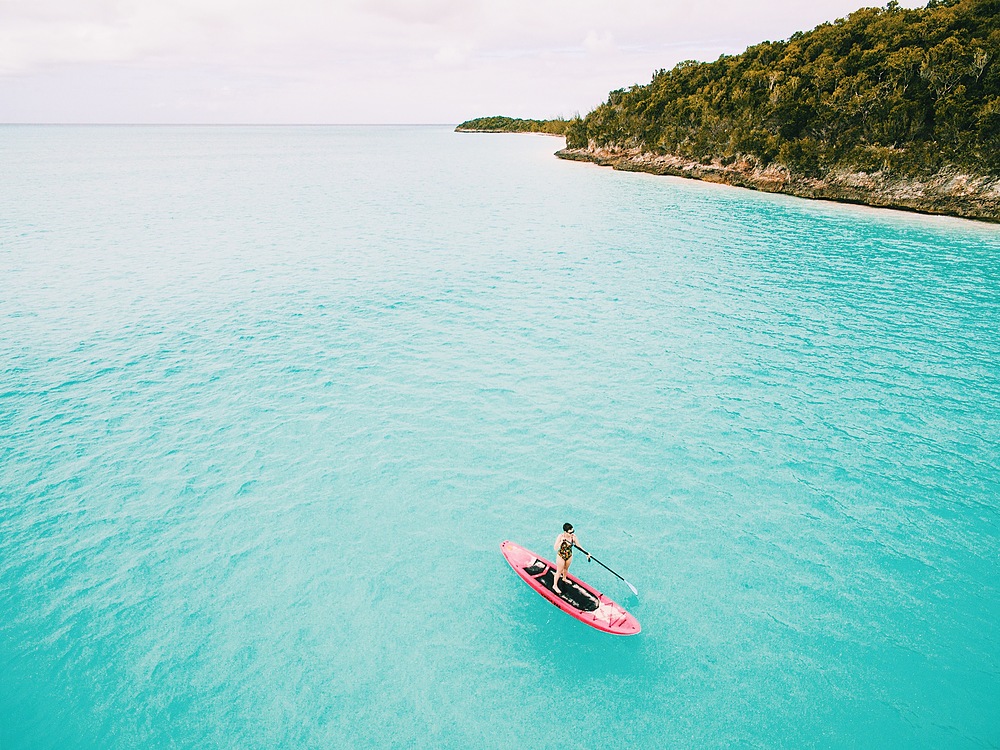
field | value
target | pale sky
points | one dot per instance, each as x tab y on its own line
359	61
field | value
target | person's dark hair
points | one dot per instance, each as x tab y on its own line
567	527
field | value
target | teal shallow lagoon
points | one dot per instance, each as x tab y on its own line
270	398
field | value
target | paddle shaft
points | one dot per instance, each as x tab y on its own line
606	568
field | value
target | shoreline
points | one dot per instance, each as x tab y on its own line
947	193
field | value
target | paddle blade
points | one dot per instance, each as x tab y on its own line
631	587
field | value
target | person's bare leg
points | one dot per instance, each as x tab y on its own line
560	569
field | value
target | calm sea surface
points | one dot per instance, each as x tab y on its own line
271	398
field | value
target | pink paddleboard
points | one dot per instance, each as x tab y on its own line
585	603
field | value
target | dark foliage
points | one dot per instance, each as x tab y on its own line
905	91
500	124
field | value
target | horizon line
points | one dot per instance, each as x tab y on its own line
231	124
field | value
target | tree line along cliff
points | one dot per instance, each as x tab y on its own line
889	90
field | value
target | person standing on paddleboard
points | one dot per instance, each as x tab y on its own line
564	554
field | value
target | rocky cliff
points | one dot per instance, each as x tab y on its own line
949	191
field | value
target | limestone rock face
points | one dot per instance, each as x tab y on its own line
948	192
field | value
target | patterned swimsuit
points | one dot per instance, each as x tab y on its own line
565	549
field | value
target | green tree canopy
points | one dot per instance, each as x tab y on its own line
907	91
501	124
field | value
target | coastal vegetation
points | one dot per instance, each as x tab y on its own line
501	124
892	90
907	91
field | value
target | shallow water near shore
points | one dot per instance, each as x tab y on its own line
271	398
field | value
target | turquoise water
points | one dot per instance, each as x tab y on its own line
271	398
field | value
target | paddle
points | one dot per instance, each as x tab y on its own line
606	568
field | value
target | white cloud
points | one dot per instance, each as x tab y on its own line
599	44
426	12
453	54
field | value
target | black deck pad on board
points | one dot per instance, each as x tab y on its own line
574	595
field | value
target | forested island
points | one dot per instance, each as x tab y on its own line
501	124
887	107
